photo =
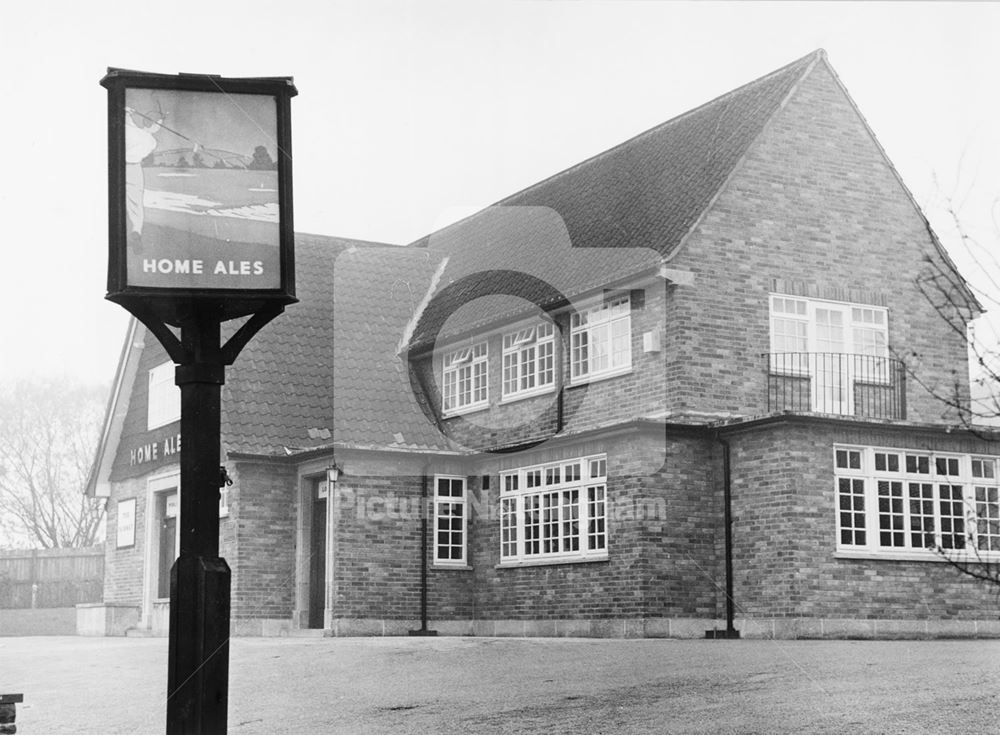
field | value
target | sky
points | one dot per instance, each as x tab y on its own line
411	114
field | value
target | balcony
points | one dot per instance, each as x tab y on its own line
863	386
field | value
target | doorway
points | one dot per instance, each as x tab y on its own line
317	557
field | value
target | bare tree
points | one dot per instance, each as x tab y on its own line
48	436
958	303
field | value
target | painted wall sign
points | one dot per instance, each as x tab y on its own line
154	451
125	535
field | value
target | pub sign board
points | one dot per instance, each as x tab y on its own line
200	205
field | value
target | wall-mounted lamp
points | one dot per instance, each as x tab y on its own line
333	472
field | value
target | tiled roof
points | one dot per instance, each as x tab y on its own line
326	372
645	193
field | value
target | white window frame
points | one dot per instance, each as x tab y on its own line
555	513
796	332
163	399
909	496
529	362
866	331
594	327
469	363
444	522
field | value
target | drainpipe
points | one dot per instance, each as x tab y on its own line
727	493
424	512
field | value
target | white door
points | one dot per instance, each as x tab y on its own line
832	391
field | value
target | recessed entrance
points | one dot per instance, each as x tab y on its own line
317	556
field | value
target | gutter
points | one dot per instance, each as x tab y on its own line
727	493
424	512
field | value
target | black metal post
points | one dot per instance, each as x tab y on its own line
424	512
198	665
727	499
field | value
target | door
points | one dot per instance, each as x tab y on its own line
832	390
317	564
167	541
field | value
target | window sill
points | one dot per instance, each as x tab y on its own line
550	562
598	377
990	558
463	411
515	397
451	567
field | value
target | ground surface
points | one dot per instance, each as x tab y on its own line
487	685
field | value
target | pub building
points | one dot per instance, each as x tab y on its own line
678	405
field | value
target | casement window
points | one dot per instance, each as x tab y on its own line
464	379
806	325
835	344
554	512
601	339
164	397
450	521
529	360
904	503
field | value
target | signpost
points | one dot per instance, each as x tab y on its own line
200	232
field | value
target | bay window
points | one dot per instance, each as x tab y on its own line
898	502
555	512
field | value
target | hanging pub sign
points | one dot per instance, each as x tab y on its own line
200	192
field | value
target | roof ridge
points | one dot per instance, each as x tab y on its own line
659	126
806	62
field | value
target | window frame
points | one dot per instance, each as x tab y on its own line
854	322
163	407
528	514
513	346
437	559
924	482
479	380
577	326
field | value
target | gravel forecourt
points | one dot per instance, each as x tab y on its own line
115	686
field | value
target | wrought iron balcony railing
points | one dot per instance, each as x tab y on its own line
865	386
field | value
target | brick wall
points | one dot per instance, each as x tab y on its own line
598	403
815	208
123	568
784	513
661	539
260	534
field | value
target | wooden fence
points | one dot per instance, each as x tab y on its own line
51	577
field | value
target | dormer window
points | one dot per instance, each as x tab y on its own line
601	340
529	361
464	379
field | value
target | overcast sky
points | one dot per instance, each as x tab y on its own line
411	113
